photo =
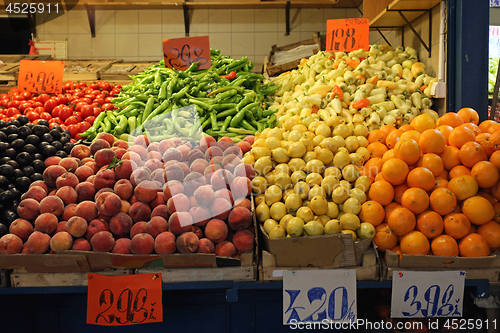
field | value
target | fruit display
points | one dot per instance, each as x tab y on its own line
436	186
146	197
228	98
25	147
492	73
75	109
382	86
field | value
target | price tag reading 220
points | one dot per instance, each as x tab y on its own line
180	53
124	300
41	76
347	35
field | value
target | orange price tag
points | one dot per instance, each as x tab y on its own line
180	53
41	76
347	35
124	300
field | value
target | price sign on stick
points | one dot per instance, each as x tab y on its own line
347	35
427	294
124	300
41	76
325	296
180	53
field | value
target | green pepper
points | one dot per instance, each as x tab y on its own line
226	113
132	124
178	95
237	118
171	85
213	121
162	107
107	125
175	122
193	67
122	126
247	126
158	79
203	105
111	117
148	109
163	91
226	123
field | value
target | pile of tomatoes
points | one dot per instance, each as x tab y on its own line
75	109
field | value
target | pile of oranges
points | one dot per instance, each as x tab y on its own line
435	186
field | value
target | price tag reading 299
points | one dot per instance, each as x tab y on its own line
124	300
181	53
41	76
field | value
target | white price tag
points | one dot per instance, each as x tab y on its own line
427	294
326	296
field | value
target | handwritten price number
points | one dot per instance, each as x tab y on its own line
42	83
316	294
129	309
433	302
185	57
462	324
343	37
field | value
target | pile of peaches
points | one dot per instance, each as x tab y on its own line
139	197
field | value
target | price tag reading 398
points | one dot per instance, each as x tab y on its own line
41	76
427	294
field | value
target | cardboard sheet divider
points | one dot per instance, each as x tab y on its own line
425	261
45	263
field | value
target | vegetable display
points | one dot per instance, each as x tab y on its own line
229	101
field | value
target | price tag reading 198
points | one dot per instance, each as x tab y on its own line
41	76
347	35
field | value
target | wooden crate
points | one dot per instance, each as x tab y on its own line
123	71
172	275
4	278
18	57
20	279
9	72
84	70
368	271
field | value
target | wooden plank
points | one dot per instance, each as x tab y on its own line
9	72
491	274
243	273
391	18
4	278
58	279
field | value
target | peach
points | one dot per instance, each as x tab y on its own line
125	206
51	204
108	203
85	160
180	222
102	241
184	149
139	175
81	244
85	191
195	154
103	217
138	228
146	191
197	231
241	187
61	241
229	162
243	240
124	169
120	224
156	225
77	226
225	249
212	152
240	218
67	179
61	226
51	174
243	202
139	150
124	189
199	165
192	182
105	178
92	166
122	246
185	168
102	190
221	179
160	210
142	244
209	170
38	242
187	242
172	154
165	243
140	211
207	142
53	160
233	150
83	172
21	228
205	245
106	136
216	160
192	202
172	188
53	192
204	195
97	145
225	142
67	194
244	146
158	200
141	140
46	223
119	152
69	163
153	155
178	203
11	244
153	164
250	139
95	226
244	170
159	176
220	208
91	179
28	209
201	215
25	249
86	210
120	143
80	151
40	183
164	145
174	172
35	192
216	230
104	157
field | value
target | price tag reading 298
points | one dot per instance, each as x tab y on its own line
181	53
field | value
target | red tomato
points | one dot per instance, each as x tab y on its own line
90	120
32	115
4	96
83	126
39	109
78	116
68	85
99	100
43	98
36	104
56	110
24	106
12	111
79	105
55	120
52	125
94	86
45	115
82	85
87	110
70	121
105	85
62	100
79	94
26	95
73	130
28	110
97	111
65	113
18	98
105	93
108	99
95	93
108	106
63	127
50	104
4	103
14	104
3	112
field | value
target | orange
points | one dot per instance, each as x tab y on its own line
389	209
485	125
422	178
397	249
384	238
415	242
461	135
401	221
456	225
491	232
423	122
398	192
493	128
386	129
393	138
446	130
444	246
441	183
495	158
450	157
376	149
382	192
415	199
387	155
407	150
472	127
376	136
469	115
395	171
488	196
443	174
495	138
484	140
432	141
371	168
471	153
495	191
486	174
457	171
430	224
407	127
474	245
412	134
472	229
442	201
463	186
478	210
451	119
432	162
372	212
379	176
